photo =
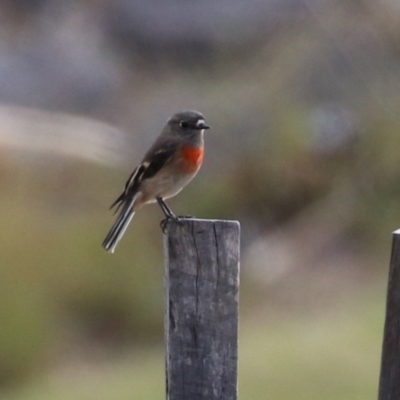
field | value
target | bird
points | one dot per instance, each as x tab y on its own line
168	166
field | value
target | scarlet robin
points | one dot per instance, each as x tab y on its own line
170	164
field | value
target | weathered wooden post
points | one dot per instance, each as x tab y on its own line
201	313
389	385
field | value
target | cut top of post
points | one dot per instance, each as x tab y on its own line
198	243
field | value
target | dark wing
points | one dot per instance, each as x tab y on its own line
154	160
158	155
129	186
157	161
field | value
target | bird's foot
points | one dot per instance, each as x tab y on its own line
164	223
176	218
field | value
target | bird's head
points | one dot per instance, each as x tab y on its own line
187	123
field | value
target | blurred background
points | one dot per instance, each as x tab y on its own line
303	98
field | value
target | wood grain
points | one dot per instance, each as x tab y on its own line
201	315
389	385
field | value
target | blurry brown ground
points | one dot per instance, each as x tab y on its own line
303	99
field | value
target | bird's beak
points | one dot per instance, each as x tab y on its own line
202	125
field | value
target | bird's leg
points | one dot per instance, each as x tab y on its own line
168	214
165	209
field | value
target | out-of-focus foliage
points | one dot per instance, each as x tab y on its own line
303	99
299	355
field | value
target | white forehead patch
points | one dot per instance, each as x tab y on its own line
200	122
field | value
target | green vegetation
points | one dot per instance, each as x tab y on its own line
329	354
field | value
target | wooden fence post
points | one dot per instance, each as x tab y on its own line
389	385
201	309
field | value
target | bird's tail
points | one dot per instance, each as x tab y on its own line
120	226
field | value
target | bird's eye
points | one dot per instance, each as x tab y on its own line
183	124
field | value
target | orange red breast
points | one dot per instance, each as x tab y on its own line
193	157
